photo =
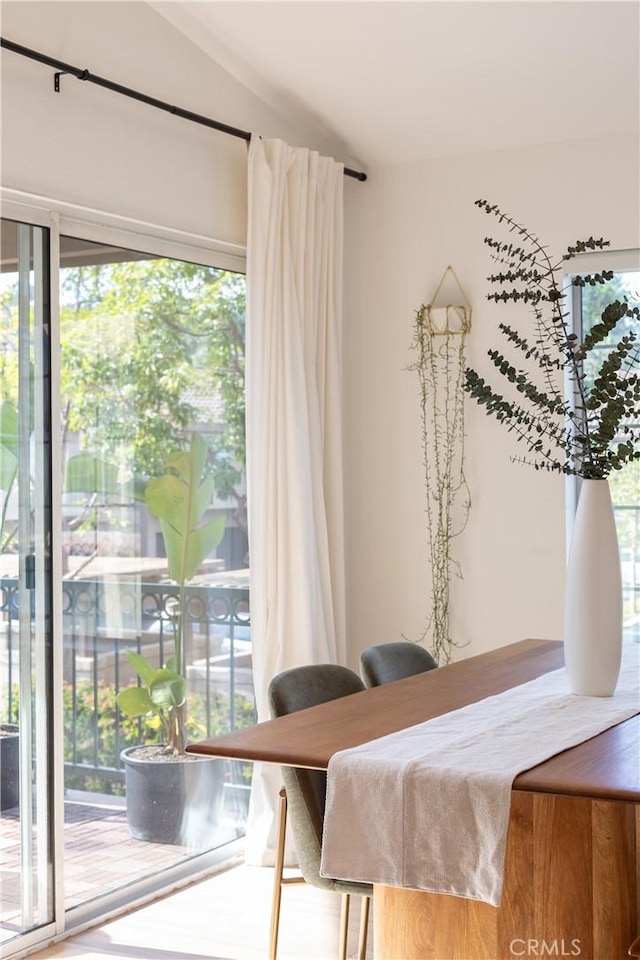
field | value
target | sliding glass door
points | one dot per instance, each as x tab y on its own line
25	581
148	360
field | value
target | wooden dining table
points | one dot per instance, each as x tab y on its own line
571	883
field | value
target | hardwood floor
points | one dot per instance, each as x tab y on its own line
224	917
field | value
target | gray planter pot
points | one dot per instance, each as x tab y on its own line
174	801
9	766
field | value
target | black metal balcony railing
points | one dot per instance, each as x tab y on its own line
102	620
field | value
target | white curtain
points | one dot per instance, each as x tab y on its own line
294	440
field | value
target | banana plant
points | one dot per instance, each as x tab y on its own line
179	499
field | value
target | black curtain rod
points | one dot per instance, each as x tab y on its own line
136	95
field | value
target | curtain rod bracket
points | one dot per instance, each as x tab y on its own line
56	80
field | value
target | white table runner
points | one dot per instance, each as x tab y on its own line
428	807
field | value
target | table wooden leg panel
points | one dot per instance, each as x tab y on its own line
570	889
410	925
561	875
615	890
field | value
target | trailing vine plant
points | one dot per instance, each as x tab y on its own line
440	366
595	431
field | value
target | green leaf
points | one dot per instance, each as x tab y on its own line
141	666
135	702
179	498
87	474
174	540
164	496
202	542
201	499
167	689
185	554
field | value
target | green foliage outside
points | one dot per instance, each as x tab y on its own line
153	337
624	484
96	729
99	731
149	348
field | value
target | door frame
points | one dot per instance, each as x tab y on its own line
43	933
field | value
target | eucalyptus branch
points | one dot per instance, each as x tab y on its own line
546	338
599	432
514	414
553	404
544	360
586	246
554	293
611	314
592	279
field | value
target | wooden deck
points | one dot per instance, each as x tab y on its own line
100	856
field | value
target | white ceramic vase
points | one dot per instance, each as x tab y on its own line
593	597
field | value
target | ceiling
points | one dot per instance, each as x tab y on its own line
403	81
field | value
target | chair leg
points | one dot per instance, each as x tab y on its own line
344	925
364	922
277	875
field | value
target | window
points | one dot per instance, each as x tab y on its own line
624	484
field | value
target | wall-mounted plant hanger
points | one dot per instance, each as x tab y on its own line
449	313
440	331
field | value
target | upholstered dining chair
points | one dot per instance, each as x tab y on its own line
386	662
303	796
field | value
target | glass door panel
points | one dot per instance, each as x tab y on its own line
151	354
25	581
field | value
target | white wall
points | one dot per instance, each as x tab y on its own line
89	146
408	224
